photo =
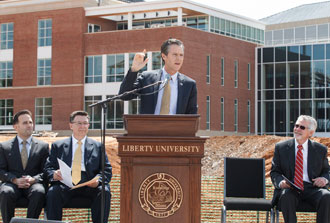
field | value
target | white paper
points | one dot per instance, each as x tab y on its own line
66	173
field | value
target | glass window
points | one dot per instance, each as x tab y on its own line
288	36
222	114
280	54
222	26
327	84
43	111
268	73
192	22
212	26
45	32
208	118
319	73
280	75
310	33
293	108
269	117
235	115
293	53
268	55
236	73
44	71
115	67
293	72
115	114
157	62
328	51
134	106
305	74
227	27
269	37
305	52
306	107
223	71
319	114
328	116
6	74
6	111
248	116
7	36
208	69
95	113
280	116
93	70
300	34
278	36
322	31
318	52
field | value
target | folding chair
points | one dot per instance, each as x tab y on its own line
244	186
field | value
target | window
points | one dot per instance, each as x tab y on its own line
222	71
93	69
93	28
6	111
157	62
115	114
94	112
131	57
235	115
45	32
208	69
208	112
248	116
115	67
249	76
43	113
134	106
236	73
44	71
7	36
6	74
222	114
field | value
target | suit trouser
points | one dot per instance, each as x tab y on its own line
318	197
10	193
58	195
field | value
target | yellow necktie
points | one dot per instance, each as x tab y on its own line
166	99
76	165
24	154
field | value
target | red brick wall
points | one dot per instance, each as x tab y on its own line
198	45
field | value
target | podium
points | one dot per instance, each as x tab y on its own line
160	169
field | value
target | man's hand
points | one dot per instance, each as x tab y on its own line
22	182
284	185
139	62
57	175
320	182
94	183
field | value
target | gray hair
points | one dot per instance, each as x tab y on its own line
312	124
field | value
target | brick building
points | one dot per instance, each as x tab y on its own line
57	56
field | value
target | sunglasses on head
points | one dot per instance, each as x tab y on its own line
300	126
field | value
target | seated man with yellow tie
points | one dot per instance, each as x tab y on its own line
84	156
178	96
22	161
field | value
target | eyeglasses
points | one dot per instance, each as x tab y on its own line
300	126
81	123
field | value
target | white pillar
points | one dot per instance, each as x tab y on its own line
129	21
179	16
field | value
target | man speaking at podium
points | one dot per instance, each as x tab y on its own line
177	94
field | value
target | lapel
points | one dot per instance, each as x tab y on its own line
67	151
291	156
158	76
88	151
310	159
16	153
33	148
180	93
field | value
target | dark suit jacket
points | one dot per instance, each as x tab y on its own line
62	149
10	160
284	163
187	91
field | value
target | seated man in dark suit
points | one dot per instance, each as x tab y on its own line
22	161
304	163
84	156
178	95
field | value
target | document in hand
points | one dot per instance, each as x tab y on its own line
67	178
291	184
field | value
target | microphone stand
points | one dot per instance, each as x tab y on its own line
104	106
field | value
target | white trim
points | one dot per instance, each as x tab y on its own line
7	55
43	127
45	86
45	52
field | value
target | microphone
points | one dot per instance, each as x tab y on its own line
166	79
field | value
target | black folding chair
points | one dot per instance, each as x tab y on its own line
244	187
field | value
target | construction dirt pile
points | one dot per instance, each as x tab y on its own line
216	148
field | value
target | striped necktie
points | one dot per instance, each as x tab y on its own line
298	174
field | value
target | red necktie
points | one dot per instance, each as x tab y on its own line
298	173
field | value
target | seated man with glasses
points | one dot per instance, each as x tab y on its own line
305	164
84	156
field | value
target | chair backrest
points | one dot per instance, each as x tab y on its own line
244	177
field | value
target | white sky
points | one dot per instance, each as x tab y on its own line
255	9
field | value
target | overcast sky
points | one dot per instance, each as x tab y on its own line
255	9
